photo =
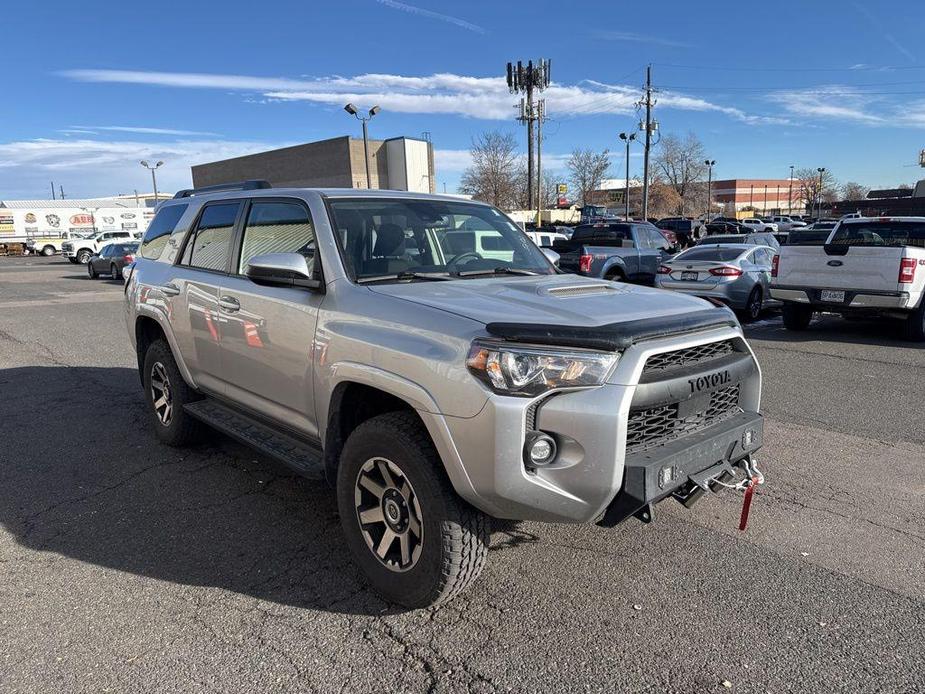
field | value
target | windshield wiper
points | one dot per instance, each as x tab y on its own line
495	271
405	276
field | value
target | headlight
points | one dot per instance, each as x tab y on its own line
530	371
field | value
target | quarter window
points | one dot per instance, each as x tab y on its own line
159	231
277	227
210	247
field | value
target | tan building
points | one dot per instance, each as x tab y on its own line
767	195
400	163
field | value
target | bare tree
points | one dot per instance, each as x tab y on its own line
551	179
663	198
586	170
493	176
812	189
854	191
680	164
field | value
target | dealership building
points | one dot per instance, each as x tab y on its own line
399	163
767	195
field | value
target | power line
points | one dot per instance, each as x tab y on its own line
736	68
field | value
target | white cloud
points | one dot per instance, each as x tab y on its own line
430	14
639	38
135	129
442	93
831	102
91	167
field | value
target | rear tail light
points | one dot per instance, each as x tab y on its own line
128	258
584	263
907	270
725	271
664	270
775	265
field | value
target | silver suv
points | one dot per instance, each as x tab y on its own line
352	335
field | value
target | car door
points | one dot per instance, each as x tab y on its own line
760	260
97	260
268	333
192	288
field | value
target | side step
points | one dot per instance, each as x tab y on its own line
300	455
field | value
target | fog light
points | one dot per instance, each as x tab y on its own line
539	449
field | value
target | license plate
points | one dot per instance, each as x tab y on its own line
688	275
829	295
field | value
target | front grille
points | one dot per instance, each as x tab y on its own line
668	361
655	426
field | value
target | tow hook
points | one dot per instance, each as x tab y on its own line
722	476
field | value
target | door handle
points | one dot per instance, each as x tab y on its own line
229	303
169	289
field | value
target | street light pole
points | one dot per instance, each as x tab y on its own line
626	193
821	171
144	163
790	194
352	110
710	163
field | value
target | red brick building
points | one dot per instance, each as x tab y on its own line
767	195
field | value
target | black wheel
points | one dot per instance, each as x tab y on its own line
797	317
83	256
90	271
615	276
914	328
754	305
113	272
167	393
418	543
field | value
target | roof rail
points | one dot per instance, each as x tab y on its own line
256	184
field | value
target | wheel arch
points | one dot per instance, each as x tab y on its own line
149	328
614	266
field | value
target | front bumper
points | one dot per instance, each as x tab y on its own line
854	299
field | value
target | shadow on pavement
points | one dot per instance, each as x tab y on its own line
82	475
832	328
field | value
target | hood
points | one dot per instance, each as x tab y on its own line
547	299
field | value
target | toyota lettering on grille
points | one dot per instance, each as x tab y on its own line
702	383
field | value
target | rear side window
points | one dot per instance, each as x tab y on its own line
277	227
159	231
880	234
210	247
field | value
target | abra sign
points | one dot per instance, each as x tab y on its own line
711	381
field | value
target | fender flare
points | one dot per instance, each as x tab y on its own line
614	262
143	311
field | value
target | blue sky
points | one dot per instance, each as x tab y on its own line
90	88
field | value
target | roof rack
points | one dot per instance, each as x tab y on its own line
256	184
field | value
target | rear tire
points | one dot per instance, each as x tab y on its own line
615	276
797	317
754	306
914	328
390	474
167	393
49	250
113	272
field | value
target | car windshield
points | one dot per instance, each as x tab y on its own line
407	240
893	233
720	254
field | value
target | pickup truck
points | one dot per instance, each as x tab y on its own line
872	267
621	251
81	249
343	333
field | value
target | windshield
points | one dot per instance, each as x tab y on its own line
880	234
721	254
396	239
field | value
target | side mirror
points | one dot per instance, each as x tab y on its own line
551	256
281	270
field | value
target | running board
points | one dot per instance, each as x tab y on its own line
300	455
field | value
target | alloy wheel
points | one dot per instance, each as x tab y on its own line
389	514
160	394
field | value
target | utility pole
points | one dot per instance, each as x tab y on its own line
649	127
53	190
790	194
821	171
710	163
524	79
60	191
626	193
541	115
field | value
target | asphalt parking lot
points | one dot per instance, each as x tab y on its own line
127	566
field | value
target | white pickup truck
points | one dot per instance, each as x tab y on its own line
873	266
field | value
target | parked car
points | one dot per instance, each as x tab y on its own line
868	266
340	332
78	250
739	275
756	224
786	223
726	227
111	259
814	234
756	239
545	238
687	231
620	251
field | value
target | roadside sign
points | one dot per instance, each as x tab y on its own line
561	189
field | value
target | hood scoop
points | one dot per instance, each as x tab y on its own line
582	290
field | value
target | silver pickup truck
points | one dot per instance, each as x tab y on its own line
339	332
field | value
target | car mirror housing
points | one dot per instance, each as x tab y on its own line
281	270
551	256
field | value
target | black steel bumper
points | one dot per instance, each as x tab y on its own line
675	468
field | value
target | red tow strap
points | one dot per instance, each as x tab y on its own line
747	502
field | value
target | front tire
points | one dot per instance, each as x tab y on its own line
167	393
797	317
416	540
83	257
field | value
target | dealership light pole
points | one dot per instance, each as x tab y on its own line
821	171
710	164
152	168
629	138
352	110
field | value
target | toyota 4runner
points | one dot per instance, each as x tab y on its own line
343	333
